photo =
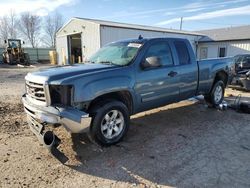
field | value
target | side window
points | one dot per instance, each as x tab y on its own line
162	51
182	52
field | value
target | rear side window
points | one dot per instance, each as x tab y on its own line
162	51
182	52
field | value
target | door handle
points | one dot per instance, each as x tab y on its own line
172	74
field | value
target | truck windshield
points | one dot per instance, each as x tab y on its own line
120	53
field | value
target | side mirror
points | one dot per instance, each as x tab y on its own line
151	62
23	42
5	41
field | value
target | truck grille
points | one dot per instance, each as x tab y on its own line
36	91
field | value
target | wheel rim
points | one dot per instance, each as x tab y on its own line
112	124
218	94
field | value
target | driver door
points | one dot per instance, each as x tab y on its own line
157	86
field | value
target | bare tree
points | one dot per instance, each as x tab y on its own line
53	23
12	26
3	29
8	27
30	26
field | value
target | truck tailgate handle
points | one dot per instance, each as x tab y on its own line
172	74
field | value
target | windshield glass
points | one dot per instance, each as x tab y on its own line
120	53
14	43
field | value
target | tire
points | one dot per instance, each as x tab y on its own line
216	95
110	122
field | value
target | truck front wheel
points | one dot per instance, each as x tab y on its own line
110	122
216	95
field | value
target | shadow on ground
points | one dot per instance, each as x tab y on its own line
187	146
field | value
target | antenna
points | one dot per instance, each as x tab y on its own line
181	23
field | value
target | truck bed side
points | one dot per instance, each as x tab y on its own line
208	70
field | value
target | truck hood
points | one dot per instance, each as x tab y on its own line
67	71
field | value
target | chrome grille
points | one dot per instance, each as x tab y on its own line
36	91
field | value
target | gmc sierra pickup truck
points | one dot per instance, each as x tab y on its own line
121	79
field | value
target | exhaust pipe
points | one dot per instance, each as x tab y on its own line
51	142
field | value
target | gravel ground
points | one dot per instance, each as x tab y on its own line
184	145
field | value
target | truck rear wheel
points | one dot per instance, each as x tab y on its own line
216	95
110	122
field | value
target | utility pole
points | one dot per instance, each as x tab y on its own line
181	23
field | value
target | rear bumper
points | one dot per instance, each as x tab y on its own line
73	120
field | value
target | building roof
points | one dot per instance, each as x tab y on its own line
135	26
226	34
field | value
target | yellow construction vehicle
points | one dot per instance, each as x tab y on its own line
14	53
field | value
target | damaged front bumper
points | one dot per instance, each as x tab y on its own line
38	117
73	120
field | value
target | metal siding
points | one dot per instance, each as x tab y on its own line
136	26
61	49
110	34
240	47
38	53
233	48
90	39
90	36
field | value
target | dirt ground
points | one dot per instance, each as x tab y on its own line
180	145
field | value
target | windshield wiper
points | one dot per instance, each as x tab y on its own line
107	62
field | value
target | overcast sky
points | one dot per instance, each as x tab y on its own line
197	15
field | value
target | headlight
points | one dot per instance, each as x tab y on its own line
61	94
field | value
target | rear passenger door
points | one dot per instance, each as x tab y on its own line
187	68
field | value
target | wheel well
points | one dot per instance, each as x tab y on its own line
222	75
122	96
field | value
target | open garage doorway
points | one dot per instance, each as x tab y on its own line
75	48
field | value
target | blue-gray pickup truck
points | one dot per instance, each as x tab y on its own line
121	79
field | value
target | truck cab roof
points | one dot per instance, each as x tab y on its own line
144	40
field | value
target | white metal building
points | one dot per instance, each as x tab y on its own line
225	42
80	37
